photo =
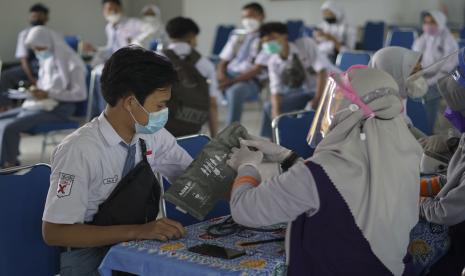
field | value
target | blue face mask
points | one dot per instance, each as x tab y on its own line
272	47
157	121
43	55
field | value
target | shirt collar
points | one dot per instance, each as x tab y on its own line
108	132
180	48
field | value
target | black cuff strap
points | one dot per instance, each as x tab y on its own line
289	161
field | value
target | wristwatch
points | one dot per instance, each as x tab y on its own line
289	161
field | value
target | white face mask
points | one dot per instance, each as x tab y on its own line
250	24
113	18
417	88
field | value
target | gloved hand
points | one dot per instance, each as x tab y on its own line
271	151
436	143
244	156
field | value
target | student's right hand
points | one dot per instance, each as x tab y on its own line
163	229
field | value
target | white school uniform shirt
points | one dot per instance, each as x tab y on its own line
310	57
243	56
21	48
88	164
121	34
204	66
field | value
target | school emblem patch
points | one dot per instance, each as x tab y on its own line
65	184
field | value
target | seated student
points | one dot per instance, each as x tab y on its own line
435	43
61	83
183	35
293	67
153	28
27	71
351	206
121	148
401	63
241	64
120	31
334	34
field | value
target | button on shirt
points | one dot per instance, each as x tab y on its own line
88	165
121	34
243	55
310	57
204	66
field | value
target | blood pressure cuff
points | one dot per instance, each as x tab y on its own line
208	178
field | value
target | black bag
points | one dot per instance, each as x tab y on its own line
190	99
293	76
208	179
135	199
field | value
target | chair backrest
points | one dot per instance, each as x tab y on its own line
401	37
290	130
193	145
307	31
72	41
295	29
462	33
81	107
222	35
346	59
23	192
96	104
373	36
153	44
461	43
417	113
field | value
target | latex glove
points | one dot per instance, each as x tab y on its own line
272	152
244	156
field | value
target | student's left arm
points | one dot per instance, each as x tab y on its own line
170	159
75	90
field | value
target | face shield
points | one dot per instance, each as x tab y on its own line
338	101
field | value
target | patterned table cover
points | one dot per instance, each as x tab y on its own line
172	258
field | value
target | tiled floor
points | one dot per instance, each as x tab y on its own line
31	146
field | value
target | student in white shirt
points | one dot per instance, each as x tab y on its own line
27	71
91	162
60	85
153	28
297	71
183	34
435	43
241	64
334	34
120	31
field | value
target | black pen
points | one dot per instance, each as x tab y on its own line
262	242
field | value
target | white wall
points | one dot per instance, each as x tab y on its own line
75	17
210	13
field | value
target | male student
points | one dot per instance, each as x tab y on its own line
297	70
183	34
85	212
120	30
27	70
241	62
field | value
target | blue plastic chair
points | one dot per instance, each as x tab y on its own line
346	59
461	43
48	129
153	44
23	191
193	145
290	130
307	31
222	35
72	41
401	37
295	29
417	113
462	33
373	36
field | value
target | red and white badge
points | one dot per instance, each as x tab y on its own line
65	184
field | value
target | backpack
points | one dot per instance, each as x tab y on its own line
293	75
190	99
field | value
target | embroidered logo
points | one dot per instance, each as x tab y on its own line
110	180
65	183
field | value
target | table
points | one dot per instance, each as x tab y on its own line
172	258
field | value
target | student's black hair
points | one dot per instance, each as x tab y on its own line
117	2
180	27
135	70
254	6
273	27
39	7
